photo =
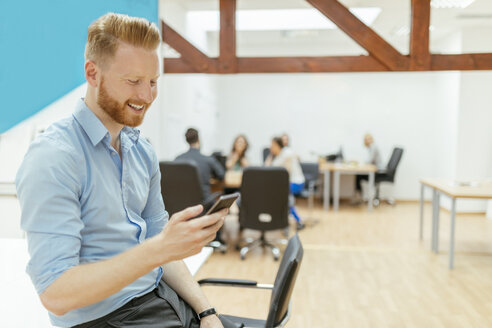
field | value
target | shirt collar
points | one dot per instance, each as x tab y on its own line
94	127
133	133
128	138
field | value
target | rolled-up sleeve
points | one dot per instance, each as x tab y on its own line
154	213
48	191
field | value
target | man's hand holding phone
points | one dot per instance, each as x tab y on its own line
224	201
182	237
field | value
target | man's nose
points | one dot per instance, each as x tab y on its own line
145	94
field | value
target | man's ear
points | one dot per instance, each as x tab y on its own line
92	73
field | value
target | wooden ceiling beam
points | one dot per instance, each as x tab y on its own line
420	58
361	33
189	53
290	65
462	62
227	57
309	64
333	64
177	65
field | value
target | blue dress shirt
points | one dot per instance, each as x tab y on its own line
82	203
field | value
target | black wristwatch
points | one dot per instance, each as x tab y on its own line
206	313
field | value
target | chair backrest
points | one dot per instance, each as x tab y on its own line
393	162
264	198
336	156
285	281
310	171
220	158
180	186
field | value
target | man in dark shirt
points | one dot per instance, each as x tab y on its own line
208	167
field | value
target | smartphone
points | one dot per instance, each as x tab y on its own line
224	201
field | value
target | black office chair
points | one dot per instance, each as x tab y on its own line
311	177
388	174
336	157
181	188
280	304
220	158
264	204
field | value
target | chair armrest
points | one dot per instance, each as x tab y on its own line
234	283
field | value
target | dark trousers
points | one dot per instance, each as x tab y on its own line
160	308
358	179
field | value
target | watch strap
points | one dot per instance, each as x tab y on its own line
206	313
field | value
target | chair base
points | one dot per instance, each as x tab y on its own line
310	221
260	242
217	245
390	201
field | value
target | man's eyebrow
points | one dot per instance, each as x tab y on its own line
139	76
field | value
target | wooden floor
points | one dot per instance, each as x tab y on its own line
364	269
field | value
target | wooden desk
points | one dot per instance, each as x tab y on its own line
19	301
454	190
233	179
341	168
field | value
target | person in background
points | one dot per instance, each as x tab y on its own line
236	160
373	157
285	139
373	154
284	157
208	167
269	156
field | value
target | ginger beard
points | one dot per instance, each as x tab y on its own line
120	113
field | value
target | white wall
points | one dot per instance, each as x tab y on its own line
188	101
474	147
323	111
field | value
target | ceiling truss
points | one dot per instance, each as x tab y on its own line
382	56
